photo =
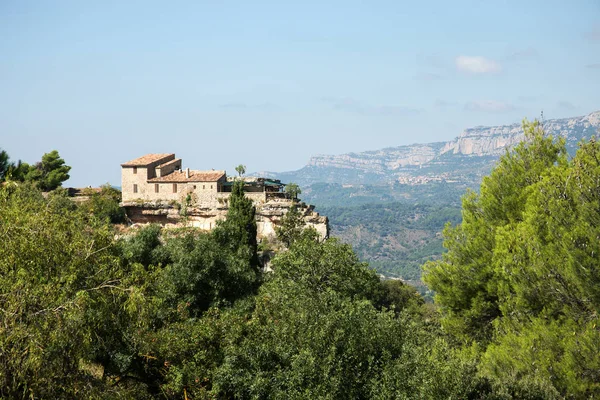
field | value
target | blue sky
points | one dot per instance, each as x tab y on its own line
270	83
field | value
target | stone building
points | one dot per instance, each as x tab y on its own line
160	178
155	189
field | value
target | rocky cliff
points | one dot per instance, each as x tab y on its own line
472	153
268	216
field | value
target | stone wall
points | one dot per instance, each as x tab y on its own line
131	176
167	168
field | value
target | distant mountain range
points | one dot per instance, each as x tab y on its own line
465	159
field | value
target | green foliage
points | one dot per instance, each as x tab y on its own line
59	283
241	170
104	204
4	165
328	265
143	247
291	227
399	296
159	313
292	190
521	275
465	281
395	238
50	172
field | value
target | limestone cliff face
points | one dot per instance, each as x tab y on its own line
268	216
491	141
380	161
475	149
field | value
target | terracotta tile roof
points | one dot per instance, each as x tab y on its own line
149	159
195	176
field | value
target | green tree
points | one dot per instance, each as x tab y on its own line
465	281
4	165
60	284
48	173
292	225
241	170
292	190
521	272
104	204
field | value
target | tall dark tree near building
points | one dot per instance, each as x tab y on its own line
4	165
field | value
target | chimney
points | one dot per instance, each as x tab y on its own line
187	173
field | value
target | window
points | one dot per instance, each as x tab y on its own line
203	186
174	188
211	186
194	186
156	188
134	188
134	170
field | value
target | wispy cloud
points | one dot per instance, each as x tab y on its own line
477	65
524	54
491	106
566	105
428	76
594	34
245	106
439	103
593	66
432	67
356	107
527	99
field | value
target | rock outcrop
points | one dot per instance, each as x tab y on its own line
268	216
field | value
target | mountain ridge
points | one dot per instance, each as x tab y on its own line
467	157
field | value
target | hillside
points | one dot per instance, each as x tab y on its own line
388	203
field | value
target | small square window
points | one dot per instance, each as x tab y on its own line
134	188
194	186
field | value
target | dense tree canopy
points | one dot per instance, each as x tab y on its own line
521	275
48	174
88	311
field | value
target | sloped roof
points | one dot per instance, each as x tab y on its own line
149	159
195	176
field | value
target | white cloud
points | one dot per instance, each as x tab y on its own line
477	65
489	106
